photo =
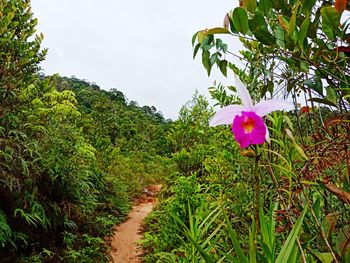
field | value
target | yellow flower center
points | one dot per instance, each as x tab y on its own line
248	124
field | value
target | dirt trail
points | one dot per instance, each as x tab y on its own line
124	246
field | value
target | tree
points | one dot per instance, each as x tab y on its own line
20	54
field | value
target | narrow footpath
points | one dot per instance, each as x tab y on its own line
124	243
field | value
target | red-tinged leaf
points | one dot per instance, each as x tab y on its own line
226	23
343	49
340	5
284	23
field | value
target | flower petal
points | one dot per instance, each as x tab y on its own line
241	137
226	115
258	134
244	136
243	94
267	106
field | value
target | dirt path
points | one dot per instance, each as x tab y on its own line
124	246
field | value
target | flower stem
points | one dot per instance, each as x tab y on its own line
257	197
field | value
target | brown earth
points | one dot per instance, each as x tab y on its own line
124	243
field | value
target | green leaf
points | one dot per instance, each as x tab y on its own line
233	236
258	27
252	249
301	151
284	22
195	51
304	66
218	30
331	94
265	37
265	6
206	61
223	67
194	37
280	36
323	101
303	31
330	21
307	6
250	5
201	35
287	249
315	84
257	22
322	257
292	21
240	20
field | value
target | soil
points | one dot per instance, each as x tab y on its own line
124	243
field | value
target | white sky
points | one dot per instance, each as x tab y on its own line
142	48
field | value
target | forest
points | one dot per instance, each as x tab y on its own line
263	176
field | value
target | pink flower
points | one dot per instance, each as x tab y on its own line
248	127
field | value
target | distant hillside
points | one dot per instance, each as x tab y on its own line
123	122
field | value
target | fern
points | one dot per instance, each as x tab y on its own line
5	230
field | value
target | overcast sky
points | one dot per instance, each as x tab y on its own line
142	48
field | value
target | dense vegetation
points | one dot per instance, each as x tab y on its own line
288	199
72	156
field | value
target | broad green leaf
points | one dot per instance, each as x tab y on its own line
307	6
259	28
250	5
265	6
265	37
330	21
240	20
257	22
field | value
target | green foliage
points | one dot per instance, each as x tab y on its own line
284	201
72	155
